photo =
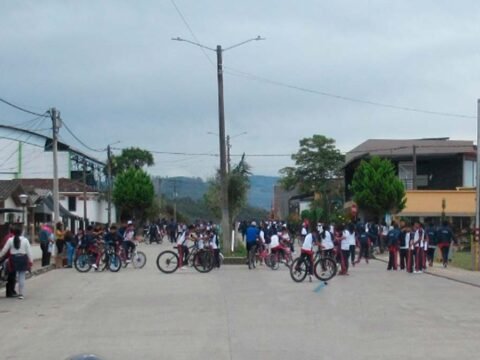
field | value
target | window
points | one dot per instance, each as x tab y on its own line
405	173
72	203
469	172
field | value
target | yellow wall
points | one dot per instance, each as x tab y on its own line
429	203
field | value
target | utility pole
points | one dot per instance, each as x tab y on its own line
56	123
85	193
175	200
476	243
228	154
225	222
109	174
414	182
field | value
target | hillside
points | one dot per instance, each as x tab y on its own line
260	194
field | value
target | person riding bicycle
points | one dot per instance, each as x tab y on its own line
307	249
129	240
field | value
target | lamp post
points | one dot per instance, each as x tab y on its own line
225	224
23	200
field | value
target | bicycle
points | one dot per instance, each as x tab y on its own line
324	267
138	258
281	256
201	259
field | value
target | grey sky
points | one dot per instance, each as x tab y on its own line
112	70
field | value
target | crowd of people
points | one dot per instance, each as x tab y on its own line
411	247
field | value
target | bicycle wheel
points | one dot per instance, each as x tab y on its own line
139	259
298	270
325	269
82	263
167	262
114	262
273	260
203	261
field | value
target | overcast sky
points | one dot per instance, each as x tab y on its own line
113	71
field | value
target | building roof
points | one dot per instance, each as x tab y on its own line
64	185
392	148
8	188
13	135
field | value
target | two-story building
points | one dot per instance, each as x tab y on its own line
438	174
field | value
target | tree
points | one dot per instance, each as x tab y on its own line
129	158
238	185
377	189
133	193
316	162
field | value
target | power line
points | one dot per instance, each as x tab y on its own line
249	76
80	141
22	109
191	31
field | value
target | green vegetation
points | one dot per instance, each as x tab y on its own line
376	188
462	259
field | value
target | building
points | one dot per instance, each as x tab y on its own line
438	175
27	156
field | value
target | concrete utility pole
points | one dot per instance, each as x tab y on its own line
85	193
414	180
175	200
476	244
229	160
226	221
109	174
56	123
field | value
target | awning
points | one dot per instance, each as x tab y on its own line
46	207
10	210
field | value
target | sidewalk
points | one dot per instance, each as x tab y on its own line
452	273
37	269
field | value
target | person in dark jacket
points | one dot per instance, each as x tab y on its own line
11	275
431	232
393	242
444	239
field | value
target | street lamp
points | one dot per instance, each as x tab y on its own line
226	225
23	200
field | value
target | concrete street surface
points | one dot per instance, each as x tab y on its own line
234	313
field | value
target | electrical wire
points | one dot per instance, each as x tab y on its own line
191	31
22	109
239	73
78	139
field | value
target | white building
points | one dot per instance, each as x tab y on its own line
27	156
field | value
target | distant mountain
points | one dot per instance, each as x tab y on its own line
260	194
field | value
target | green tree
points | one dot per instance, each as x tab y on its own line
316	163
377	189
133	193
238	185
129	158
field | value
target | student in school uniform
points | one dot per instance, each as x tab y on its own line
393	241
445	238
344	247
404	246
352	242
431	232
418	243
363	240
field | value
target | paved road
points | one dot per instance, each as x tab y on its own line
239	314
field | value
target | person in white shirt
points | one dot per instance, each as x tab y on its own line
352	242
326	242
20	257
344	247
307	250
213	244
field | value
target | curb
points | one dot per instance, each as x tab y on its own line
33	273
442	276
234	261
